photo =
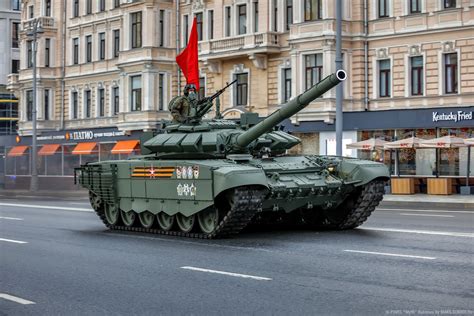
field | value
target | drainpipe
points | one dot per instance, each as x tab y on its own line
366	57
63	67
177	45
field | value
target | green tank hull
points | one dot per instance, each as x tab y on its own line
210	179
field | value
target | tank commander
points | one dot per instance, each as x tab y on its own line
181	106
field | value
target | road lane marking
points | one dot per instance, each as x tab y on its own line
48	207
11	218
245	276
13	241
16	299
424	232
427	215
389	254
425	211
79	203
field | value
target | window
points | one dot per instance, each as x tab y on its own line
75	51
161	92
101	46
15	34
199	25
87	103
449	4
313	69
255	16
312	10
202	88
275	15
15	66
211	23
31	11
101	101
136	84
46	104
242	89
242	9
29	105
383	8
451	73
116	43
16	5
415	6
47	51
116	99
136	29
88	6
384	78
47	7
227	21
116	3
75	9
286	84
289	13
29	54
186	28
416	75
162	28
101	5
88	48
74	105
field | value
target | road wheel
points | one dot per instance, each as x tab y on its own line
185	223
128	218
208	219
165	221
112	214
96	202
147	219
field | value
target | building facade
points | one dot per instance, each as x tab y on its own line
110	64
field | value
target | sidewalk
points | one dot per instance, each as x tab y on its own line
389	200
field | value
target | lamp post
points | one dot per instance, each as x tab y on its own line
33	32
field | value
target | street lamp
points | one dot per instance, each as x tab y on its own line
33	31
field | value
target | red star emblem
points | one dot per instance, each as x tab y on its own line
152	172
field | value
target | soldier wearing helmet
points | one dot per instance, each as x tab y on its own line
181	106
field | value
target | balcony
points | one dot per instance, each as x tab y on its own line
45	22
270	42
12	82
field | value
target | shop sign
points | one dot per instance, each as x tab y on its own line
82	135
456	116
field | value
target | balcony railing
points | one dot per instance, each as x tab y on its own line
248	41
46	22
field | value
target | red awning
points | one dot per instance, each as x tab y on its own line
84	149
17	151
49	149
125	147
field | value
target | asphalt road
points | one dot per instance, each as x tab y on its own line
63	261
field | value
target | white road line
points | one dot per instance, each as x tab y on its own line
11	218
424	232
425	211
78	203
16	299
48	207
13	241
390	254
428	215
245	276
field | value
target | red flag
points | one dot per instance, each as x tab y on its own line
188	59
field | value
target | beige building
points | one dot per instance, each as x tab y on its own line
110	63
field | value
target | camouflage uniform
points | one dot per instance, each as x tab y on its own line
180	108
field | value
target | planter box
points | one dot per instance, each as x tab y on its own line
403	185
440	186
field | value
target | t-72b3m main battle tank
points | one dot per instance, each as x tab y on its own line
211	178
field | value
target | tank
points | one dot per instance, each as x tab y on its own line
210	178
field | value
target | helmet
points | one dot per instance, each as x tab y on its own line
189	87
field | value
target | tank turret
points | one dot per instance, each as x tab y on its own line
218	138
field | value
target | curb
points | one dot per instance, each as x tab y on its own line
425	204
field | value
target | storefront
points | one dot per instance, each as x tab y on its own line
60	152
399	124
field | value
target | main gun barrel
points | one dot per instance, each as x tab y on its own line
290	108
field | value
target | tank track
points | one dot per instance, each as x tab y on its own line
365	204
247	202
